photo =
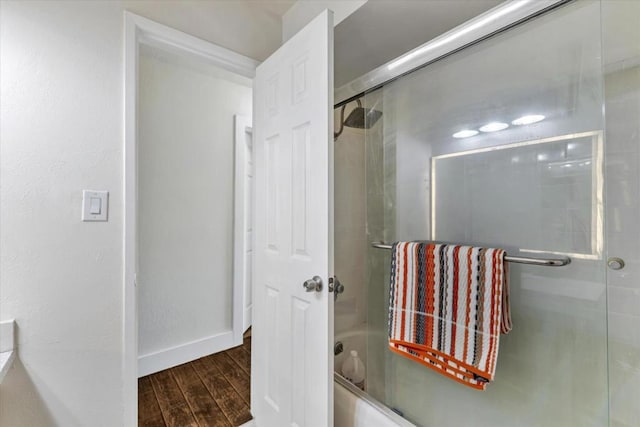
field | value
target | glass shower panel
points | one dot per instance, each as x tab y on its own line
621	61
532	187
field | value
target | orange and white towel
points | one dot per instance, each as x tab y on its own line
448	305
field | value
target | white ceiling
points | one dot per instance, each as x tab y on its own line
382	30
275	7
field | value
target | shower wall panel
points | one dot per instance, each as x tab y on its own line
350	240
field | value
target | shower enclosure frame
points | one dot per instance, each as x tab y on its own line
496	20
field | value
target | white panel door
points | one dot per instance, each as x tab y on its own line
292	361
248	226
243	223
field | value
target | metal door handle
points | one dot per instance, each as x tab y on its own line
314	284
335	286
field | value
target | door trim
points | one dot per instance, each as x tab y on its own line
240	219
137	31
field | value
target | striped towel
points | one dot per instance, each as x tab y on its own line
447	307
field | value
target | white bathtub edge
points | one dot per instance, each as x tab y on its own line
355	408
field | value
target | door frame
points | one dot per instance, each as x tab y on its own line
139	30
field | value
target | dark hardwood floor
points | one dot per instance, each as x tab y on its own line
211	391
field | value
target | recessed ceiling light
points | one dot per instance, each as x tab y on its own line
494	127
527	120
465	133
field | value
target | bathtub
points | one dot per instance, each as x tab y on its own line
353	407
352	339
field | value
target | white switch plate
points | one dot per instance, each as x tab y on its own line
102	207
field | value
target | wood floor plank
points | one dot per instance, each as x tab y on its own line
237	377
205	368
232	404
149	414
203	407
242	357
211	391
173	405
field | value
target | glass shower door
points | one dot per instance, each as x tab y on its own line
621	62
501	145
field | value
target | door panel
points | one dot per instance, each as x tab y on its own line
292	362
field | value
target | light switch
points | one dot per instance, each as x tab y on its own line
95	205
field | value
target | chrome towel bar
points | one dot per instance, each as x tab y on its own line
548	262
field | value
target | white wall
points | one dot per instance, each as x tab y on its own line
186	193
303	11
62	131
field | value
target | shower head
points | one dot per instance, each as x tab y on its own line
362	118
359	118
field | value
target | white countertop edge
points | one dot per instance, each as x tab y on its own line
6	360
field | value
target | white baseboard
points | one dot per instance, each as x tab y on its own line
174	356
